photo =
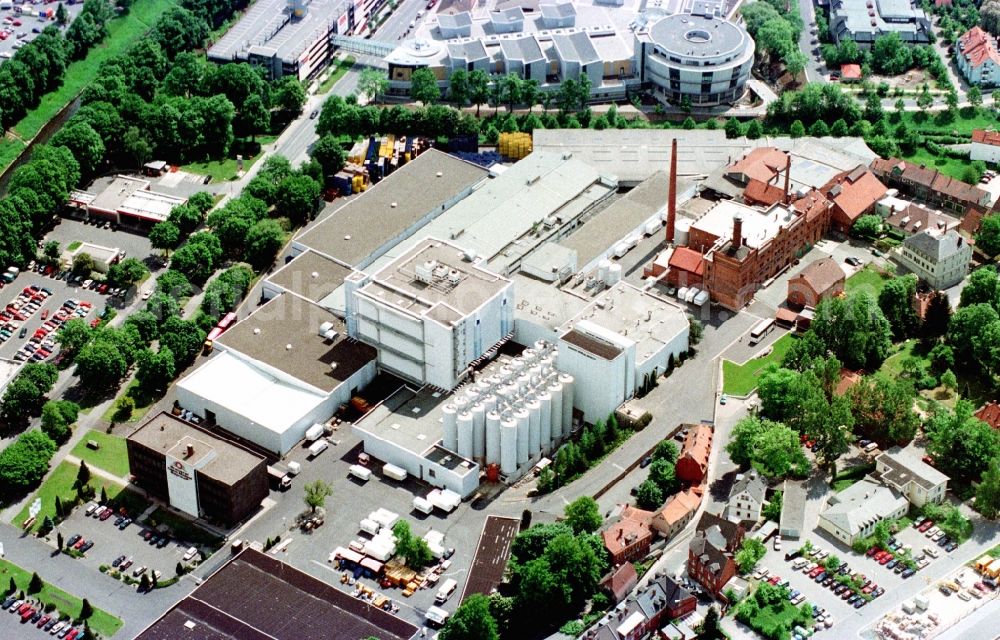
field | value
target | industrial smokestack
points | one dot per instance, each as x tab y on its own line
672	202
189	451
788	174
737	231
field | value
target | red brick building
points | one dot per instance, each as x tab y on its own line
692	463
629	536
711	553
854	194
930	185
821	279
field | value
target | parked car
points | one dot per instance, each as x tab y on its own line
87	546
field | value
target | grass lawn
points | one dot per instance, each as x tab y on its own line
101	622
10	149
953	167
868	280
848	476
893	365
60	483
962	126
741	379
122	33
225	170
336	74
73	246
112	456
143	402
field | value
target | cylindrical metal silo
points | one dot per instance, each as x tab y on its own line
523	383
465	435
529	356
508	446
493	437
450	435
523	420
517	365
478	431
545	420
567	381
534	408
614	274
556	391
490	402
461	403
535	373
541	345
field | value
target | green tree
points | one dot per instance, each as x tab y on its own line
710	629
35	584
86	610
854	329
896	300
797	129
988	236
25	462
666	450
982	287
819	129
86	145
57	416
127	272
101	363
62	16
962	446
749	554
82	477
296	198
329	154
937	317
83	264
288	95
164	236
264	240
424	86
867	226
648	495
416	552
583	515
883	409
316	493
664	475
754	130
975	96
471	621
733	128
988	490
154	371
479	88
772	510
458	87
373	83
124	408
73	336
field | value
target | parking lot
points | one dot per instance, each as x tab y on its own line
70	230
110	542
13	626
29	26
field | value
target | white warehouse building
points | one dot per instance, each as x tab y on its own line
430	313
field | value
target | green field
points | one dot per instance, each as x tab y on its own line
867	280
850	475
101	622
961	126
143	403
112	456
10	149
343	66
123	32
949	166
60	483
225	170
741	379
893	365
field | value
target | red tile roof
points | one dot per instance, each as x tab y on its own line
930	178
855	191
759	192
686	259
986	137
620	581
630	530
977	47
990	414
762	163
821	275
812	204
850	72
847	380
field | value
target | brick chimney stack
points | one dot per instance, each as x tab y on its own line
788	174
737	231
672	201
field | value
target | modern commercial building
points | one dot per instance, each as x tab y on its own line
287	37
431	313
941	259
977	58
746	498
903	470
864	21
287	366
820	279
690	50
103	257
127	201
985	146
854	512
195	471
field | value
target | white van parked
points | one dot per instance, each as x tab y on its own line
444	592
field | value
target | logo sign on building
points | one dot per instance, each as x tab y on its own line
181	486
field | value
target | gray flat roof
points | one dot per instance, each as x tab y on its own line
112	197
290	321
384	212
557	9
456	20
467	51
170	435
267	28
311	275
509	15
697	35
576	47
524	49
442	299
623	215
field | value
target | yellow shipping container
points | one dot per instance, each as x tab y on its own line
515	145
983	563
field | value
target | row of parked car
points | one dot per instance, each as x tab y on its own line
42	344
34	613
86	283
20	309
936	535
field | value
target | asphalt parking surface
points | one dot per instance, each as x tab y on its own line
70	230
28	25
61	292
12	627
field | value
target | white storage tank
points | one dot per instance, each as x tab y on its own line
541	345
465	435
523	427
615	274
490	402
461	403
450	435
492	437
556	391
534	408
567	381
681	231
528	355
523	383
535	373
478	431
517	365
545	420
602	270
508	446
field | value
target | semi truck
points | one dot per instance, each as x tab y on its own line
279	480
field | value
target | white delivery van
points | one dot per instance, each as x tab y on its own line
361	473
370	526
190	554
317	448
314	432
436	616
444	592
392	471
422	505
294	468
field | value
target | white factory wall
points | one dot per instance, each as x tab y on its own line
528	332
600	384
657	363
416	465
439	354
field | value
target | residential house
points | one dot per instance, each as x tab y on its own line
661	601
821	279
854	512
677	512
711	552
853	193
985	145
939	259
904	471
692	463
850	73
990	414
917	217
930	185
628	537
977	58
620	581
746	498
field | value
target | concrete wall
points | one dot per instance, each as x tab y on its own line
418	466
